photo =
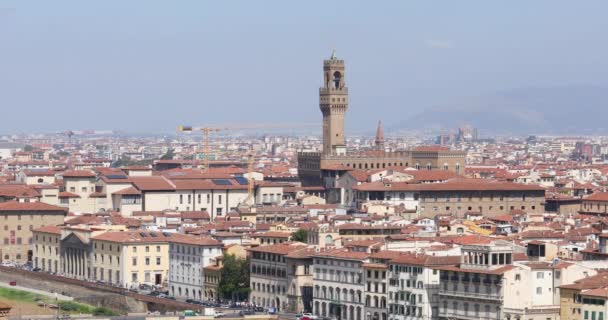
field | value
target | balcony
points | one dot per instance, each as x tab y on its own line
469	294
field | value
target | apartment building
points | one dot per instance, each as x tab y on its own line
339	284
157	193
585	299
189	255
36	176
474	288
18	220
531	289
130	258
212	275
269	280
79	192
376	290
45	246
596	204
413	291
456	196
356	231
300	280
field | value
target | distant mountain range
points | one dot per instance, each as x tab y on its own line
557	110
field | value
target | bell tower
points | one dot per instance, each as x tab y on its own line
333	102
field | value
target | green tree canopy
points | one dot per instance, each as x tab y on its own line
169	155
300	235
234	284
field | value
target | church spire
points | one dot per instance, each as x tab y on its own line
379	136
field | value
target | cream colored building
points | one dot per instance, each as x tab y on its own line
130	258
34	177
46	245
212	276
269	279
531	289
17	220
81	183
157	193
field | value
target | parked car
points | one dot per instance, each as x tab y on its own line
36	269
13	283
193	301
219	314
247	312
306	316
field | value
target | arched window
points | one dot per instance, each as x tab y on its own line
337	79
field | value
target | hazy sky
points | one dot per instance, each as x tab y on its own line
146	66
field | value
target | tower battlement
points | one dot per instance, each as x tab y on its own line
333	62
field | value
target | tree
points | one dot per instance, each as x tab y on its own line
168	156
300	235
234	284
28	148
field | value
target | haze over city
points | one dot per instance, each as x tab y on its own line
111	64
317	160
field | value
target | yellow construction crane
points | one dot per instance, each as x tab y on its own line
206	148
250	181
206	130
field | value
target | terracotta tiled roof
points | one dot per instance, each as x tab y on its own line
450	185
66	194
432	175
18	191
356	226
359	175
49	229
208	185
598	196
39	173
128	191
303	253
194	240
597	281
134	237
272	234
541	234
281	248
599	292
79	174
195	215
152	183
14	206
